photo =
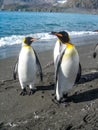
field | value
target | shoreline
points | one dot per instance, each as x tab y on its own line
66	10
41	46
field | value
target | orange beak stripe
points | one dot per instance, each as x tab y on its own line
58	34
33	39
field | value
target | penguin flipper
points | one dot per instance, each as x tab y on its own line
58	62
39	66
95	51
15	71
78	74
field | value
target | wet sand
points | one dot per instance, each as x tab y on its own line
38	111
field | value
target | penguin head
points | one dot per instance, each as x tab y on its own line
63	36
28	40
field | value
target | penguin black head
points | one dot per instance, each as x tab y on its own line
63	36
29	40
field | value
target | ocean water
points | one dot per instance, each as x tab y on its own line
14	26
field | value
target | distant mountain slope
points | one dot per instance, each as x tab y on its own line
7	2
88	4
51	5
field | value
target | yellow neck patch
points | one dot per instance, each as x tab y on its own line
69	45
58	40
26	46
69	51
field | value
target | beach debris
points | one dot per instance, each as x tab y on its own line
36	116
12	124
18	123
42	96
89	117
48	65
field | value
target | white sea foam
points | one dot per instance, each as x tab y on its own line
17	39
82	33
62	1
11	40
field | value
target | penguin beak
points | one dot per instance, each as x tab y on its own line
53	33
33	39
57	34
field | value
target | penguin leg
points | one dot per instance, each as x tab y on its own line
24	91
59	94
54	100
65	95
32	89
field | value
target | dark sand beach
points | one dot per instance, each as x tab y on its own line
38	111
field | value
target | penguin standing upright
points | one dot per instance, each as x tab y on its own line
28	65
67	66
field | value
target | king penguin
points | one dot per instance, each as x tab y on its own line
67	65
27	66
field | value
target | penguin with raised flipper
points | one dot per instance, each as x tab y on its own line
67	65
27	66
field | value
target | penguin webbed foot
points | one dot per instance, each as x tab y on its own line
32	91
60	102
24	92
54	100
63	100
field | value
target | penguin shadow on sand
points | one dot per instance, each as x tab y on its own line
88	94
46	87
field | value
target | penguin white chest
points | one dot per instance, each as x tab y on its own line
58	47
27	65
56	50
70	64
